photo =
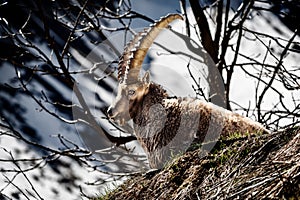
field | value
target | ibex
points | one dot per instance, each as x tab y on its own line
162	123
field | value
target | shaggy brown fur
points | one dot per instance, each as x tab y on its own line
166	126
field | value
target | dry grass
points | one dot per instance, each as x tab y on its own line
254	167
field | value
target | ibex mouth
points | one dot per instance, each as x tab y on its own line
119	121
116	117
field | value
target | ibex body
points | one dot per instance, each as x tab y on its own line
162	123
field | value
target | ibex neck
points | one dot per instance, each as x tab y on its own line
155	96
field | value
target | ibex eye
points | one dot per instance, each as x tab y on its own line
131	92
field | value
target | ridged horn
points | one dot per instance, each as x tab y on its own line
136	50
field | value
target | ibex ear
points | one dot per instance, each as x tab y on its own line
146	78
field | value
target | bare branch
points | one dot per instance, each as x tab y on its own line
206	38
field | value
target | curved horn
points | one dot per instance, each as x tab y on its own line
136	50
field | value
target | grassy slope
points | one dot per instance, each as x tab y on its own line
250	167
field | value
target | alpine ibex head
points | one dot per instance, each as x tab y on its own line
132	88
